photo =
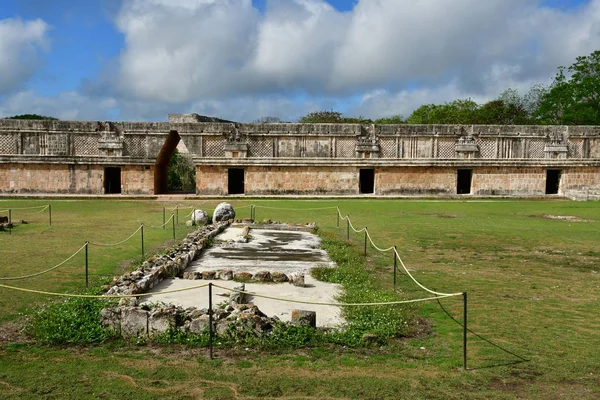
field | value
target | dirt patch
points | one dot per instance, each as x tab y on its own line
13	332
568	218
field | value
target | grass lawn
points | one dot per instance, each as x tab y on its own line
531	270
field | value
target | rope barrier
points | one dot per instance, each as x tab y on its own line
28	208
43	272
397	256
375	246
297	209
160	226
116	244
386	303
181	208
38	212
91	296
246	206
418	283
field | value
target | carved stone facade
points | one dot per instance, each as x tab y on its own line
81	157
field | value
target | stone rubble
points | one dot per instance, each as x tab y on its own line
171	264
296	279
133	322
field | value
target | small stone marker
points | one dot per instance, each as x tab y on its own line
200	217
304	317
223	212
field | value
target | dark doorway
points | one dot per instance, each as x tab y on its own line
463	181
552	181
161	168
366	181
112	180
235	183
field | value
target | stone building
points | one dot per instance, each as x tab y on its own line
303	159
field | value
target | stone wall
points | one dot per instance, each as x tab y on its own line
304	159
506	181
415	180
71	178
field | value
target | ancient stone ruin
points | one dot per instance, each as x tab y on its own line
302	159
149	317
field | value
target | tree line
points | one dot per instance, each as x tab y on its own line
572	98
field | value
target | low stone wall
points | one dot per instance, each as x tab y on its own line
259	277
171	264
144	321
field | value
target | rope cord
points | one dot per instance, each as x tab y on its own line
418	283
116	244
375	246
478	335
190	214
347	217
28	208
38	212
180	208
43	272
160	226
297	209
246	206
91	296
387	303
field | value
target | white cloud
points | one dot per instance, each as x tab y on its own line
20	42
70	106
384	57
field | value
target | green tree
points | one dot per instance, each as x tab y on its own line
455	112
181	173
331	117
32	116
574	96
396	119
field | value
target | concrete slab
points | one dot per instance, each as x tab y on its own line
268	250
288	252
327	316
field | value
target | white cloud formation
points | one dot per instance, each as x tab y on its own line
384	57
20	42
69	106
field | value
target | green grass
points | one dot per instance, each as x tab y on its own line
533	286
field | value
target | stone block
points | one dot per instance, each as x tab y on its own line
134	322
304	317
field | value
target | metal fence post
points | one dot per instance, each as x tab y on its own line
338	218
50	213
395	266
177	213
210	321
142	231
164	218
173	223
9	221
365	241
348	227
465	331
86	264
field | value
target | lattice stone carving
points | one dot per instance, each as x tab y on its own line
86	145
345	148
446	148
134	146
260	147
213	146
487	147
536	148
576	150
8	144
387	148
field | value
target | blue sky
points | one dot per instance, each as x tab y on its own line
245	59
